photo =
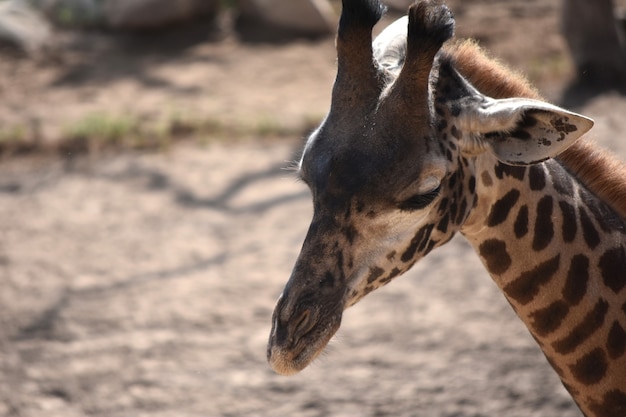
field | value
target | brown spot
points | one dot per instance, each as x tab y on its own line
548	319
577	278
443	206
613	268
517	172
583	331
462	212
591	368
472	184
455	132
589	231
544	229
443	224
391	255
569	226
536	177
520	227
486	179
613	404
501	208
394	273
616	343
525	287
418	240
375	273
497	260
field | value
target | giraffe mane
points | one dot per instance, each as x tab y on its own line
600	172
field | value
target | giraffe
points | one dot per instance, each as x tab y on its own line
427	136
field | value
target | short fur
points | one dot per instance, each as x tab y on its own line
599	171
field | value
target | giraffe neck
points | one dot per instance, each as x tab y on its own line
559	255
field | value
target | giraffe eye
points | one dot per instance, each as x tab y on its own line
420	201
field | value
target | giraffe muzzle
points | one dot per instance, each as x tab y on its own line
297	340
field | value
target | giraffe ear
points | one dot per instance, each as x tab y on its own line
520	131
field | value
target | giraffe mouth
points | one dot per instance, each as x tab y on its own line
289	352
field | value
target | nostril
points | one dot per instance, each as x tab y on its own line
302	324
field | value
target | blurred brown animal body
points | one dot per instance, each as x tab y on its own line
426	138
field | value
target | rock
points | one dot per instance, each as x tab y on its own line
22	28
593	37
273	18
150	14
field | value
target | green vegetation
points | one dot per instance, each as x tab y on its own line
102	127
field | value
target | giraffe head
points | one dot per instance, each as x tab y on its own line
390	168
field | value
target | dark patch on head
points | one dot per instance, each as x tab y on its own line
536	177
460	189
429	247
328	281
471	184
391	255
524	288
500	210
569	226
368	289
544	229
613	404
591	235
584	330
462	212
420	239
577	278
350	233
442	124
520	227
394	273
486	178
497	259
453	209
442	226
452	180
455	132
517	172
616	343
455	109
375	273
548	319
591	368
613	268
443	205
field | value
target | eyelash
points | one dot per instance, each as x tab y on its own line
420	201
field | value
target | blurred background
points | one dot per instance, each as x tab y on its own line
148	223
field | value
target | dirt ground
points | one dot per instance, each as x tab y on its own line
142	283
